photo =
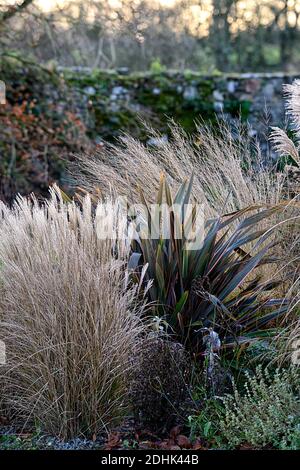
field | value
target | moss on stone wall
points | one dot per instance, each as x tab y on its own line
119	102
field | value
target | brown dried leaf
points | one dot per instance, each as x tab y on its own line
183	441
112	441
174	432
197	444
167	444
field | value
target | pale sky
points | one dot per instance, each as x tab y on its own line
48	5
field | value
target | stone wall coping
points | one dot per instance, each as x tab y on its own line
178	73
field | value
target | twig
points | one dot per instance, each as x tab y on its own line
13	10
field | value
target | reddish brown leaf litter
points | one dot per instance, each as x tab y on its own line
113	441
144	439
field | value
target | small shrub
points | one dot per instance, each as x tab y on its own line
160	382
268	413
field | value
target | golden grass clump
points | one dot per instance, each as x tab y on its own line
69	319
229	171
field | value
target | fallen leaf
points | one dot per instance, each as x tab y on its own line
174	432
197	444
183	441
112	441
3	420
167	444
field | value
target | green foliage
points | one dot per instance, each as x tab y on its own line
22	441
271	54
156	67
263	411
267	413
159	92
263	352
205	286
205	422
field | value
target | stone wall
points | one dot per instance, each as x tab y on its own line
50	114
114	102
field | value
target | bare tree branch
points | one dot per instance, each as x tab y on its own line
13	10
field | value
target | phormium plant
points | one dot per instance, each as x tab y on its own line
216	286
